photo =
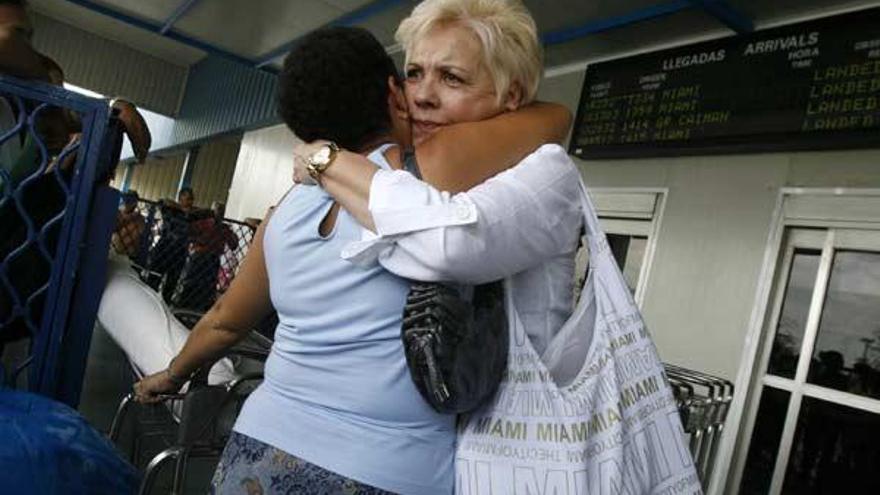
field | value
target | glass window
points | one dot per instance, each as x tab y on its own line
836	449
629	252
793	316
765	442
847	352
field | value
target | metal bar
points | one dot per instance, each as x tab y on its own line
727	14
149	26
602	25
127	176
351	18
177	14
91	277
189	165
814	317
48	341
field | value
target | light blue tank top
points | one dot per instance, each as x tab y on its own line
337	391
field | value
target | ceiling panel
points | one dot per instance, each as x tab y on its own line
384	24
155	11
674	29
777	11
381	24
350	5
112	29
254	28
561	14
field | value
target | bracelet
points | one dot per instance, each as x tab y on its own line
176	380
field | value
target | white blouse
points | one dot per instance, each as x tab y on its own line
523	224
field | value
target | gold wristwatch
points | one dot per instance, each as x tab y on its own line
321	159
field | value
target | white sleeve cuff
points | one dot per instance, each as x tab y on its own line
400	204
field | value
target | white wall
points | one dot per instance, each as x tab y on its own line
713	235
263	173
158	177
213	171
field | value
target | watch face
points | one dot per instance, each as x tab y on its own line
322	156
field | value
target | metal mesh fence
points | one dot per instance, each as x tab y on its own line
190	257
56	151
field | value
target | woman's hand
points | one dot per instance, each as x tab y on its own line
301	172
148	390
301	154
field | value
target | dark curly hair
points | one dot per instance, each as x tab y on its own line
334	85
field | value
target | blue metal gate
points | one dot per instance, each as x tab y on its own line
56	217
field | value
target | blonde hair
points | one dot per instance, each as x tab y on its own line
508	35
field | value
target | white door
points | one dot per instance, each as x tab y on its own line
813	420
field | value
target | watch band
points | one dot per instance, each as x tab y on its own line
179	381
314	172
316	166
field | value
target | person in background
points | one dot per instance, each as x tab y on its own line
17	56
168	256
338	412
129	228
211	238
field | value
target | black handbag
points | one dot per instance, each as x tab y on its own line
456	347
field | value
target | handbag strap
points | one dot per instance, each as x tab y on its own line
597	243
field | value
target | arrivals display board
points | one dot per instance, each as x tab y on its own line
807	86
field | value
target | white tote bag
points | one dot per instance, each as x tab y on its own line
593	416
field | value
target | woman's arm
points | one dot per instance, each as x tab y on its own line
229	320
466	154
455	159
528	215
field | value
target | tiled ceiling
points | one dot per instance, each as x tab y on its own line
252	29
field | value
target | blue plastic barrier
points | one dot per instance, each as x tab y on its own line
48	448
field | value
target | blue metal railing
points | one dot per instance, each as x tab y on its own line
56	216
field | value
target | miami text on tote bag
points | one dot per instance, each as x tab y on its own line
593	416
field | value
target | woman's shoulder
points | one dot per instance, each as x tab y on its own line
547	167
549	158
551	151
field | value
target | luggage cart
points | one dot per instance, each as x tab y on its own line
195	423
703	401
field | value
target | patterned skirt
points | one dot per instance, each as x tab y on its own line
251	467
